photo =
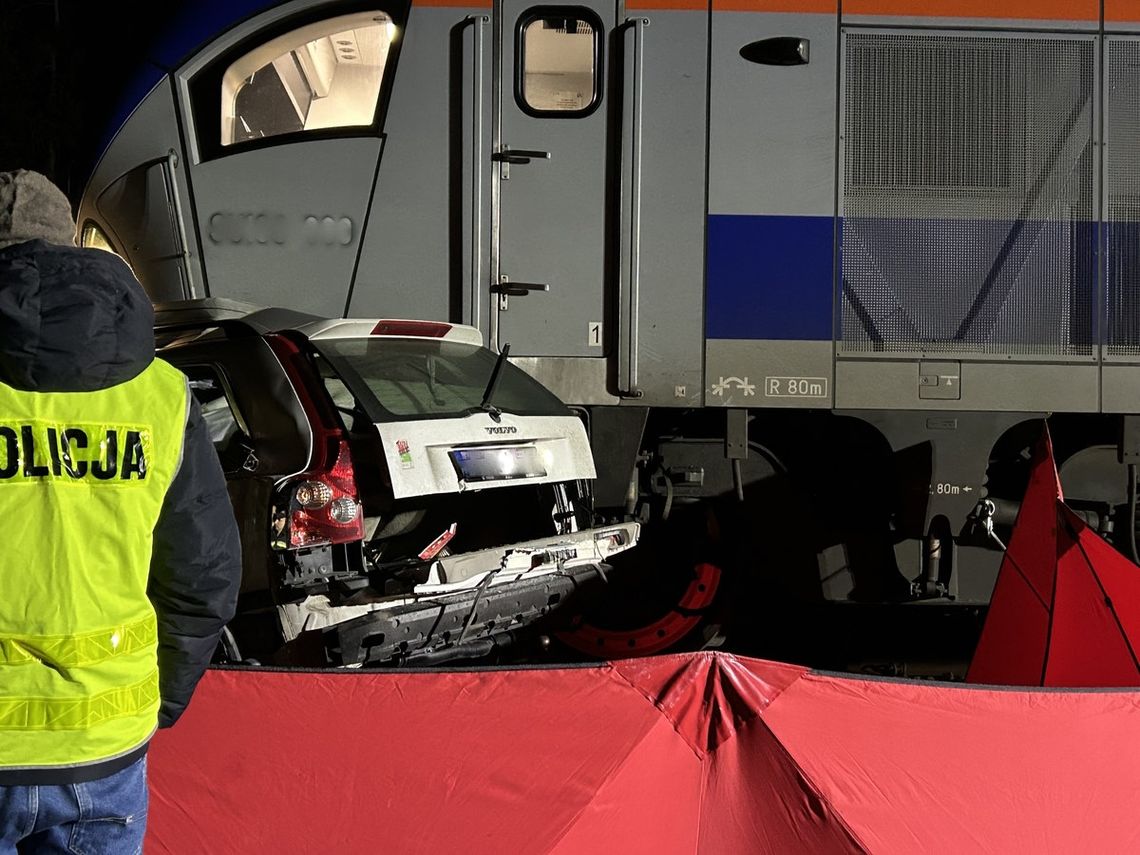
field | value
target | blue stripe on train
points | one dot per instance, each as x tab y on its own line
770	277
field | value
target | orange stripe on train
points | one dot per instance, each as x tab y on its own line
1121	10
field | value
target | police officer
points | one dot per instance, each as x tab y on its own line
119	556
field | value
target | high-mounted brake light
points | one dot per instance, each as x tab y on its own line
426	329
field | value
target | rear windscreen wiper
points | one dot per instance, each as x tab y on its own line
492	384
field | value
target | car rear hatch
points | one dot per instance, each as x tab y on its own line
487	478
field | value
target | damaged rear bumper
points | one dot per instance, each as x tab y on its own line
429	627
467	598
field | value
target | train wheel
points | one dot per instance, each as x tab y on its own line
690	611
666	594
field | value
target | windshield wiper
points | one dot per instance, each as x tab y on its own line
492	384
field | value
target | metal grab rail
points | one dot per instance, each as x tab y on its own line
630	275
477	22
169	166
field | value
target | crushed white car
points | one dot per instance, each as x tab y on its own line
405	494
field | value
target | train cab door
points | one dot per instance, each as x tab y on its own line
549	268
284	129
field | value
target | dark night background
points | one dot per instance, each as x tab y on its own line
64	66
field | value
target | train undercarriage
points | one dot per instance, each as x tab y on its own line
848	540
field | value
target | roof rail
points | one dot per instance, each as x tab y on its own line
219	311
202	311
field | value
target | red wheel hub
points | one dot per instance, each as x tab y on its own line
652	638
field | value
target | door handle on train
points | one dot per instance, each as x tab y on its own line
518	289
519	155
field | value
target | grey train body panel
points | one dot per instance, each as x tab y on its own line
777	120
780	122
772	373
666	345
1121	210
551	219
1121	24
296	245
1000	387
143	187
400	274
811	245
279	225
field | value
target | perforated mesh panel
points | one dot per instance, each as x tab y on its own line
1122	196
967	195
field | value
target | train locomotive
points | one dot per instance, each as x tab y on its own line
813	271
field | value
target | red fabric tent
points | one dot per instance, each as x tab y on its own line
700	753
1066	607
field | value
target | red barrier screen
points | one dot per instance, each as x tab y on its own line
700	753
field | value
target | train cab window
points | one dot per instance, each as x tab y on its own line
558	70
323	75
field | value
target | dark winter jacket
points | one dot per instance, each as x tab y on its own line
74	320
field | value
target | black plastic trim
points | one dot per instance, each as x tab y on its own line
778	50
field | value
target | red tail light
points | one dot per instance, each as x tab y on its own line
324	506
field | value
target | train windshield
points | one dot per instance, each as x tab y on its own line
323	75
395	379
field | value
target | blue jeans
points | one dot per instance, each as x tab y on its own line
102	817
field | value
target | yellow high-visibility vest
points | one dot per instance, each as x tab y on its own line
83	476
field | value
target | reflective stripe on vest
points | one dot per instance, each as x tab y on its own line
79	713
83	477
73	651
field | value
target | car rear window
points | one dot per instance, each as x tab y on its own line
395	379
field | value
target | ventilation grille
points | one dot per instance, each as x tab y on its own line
933	114
967	195
1122	197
